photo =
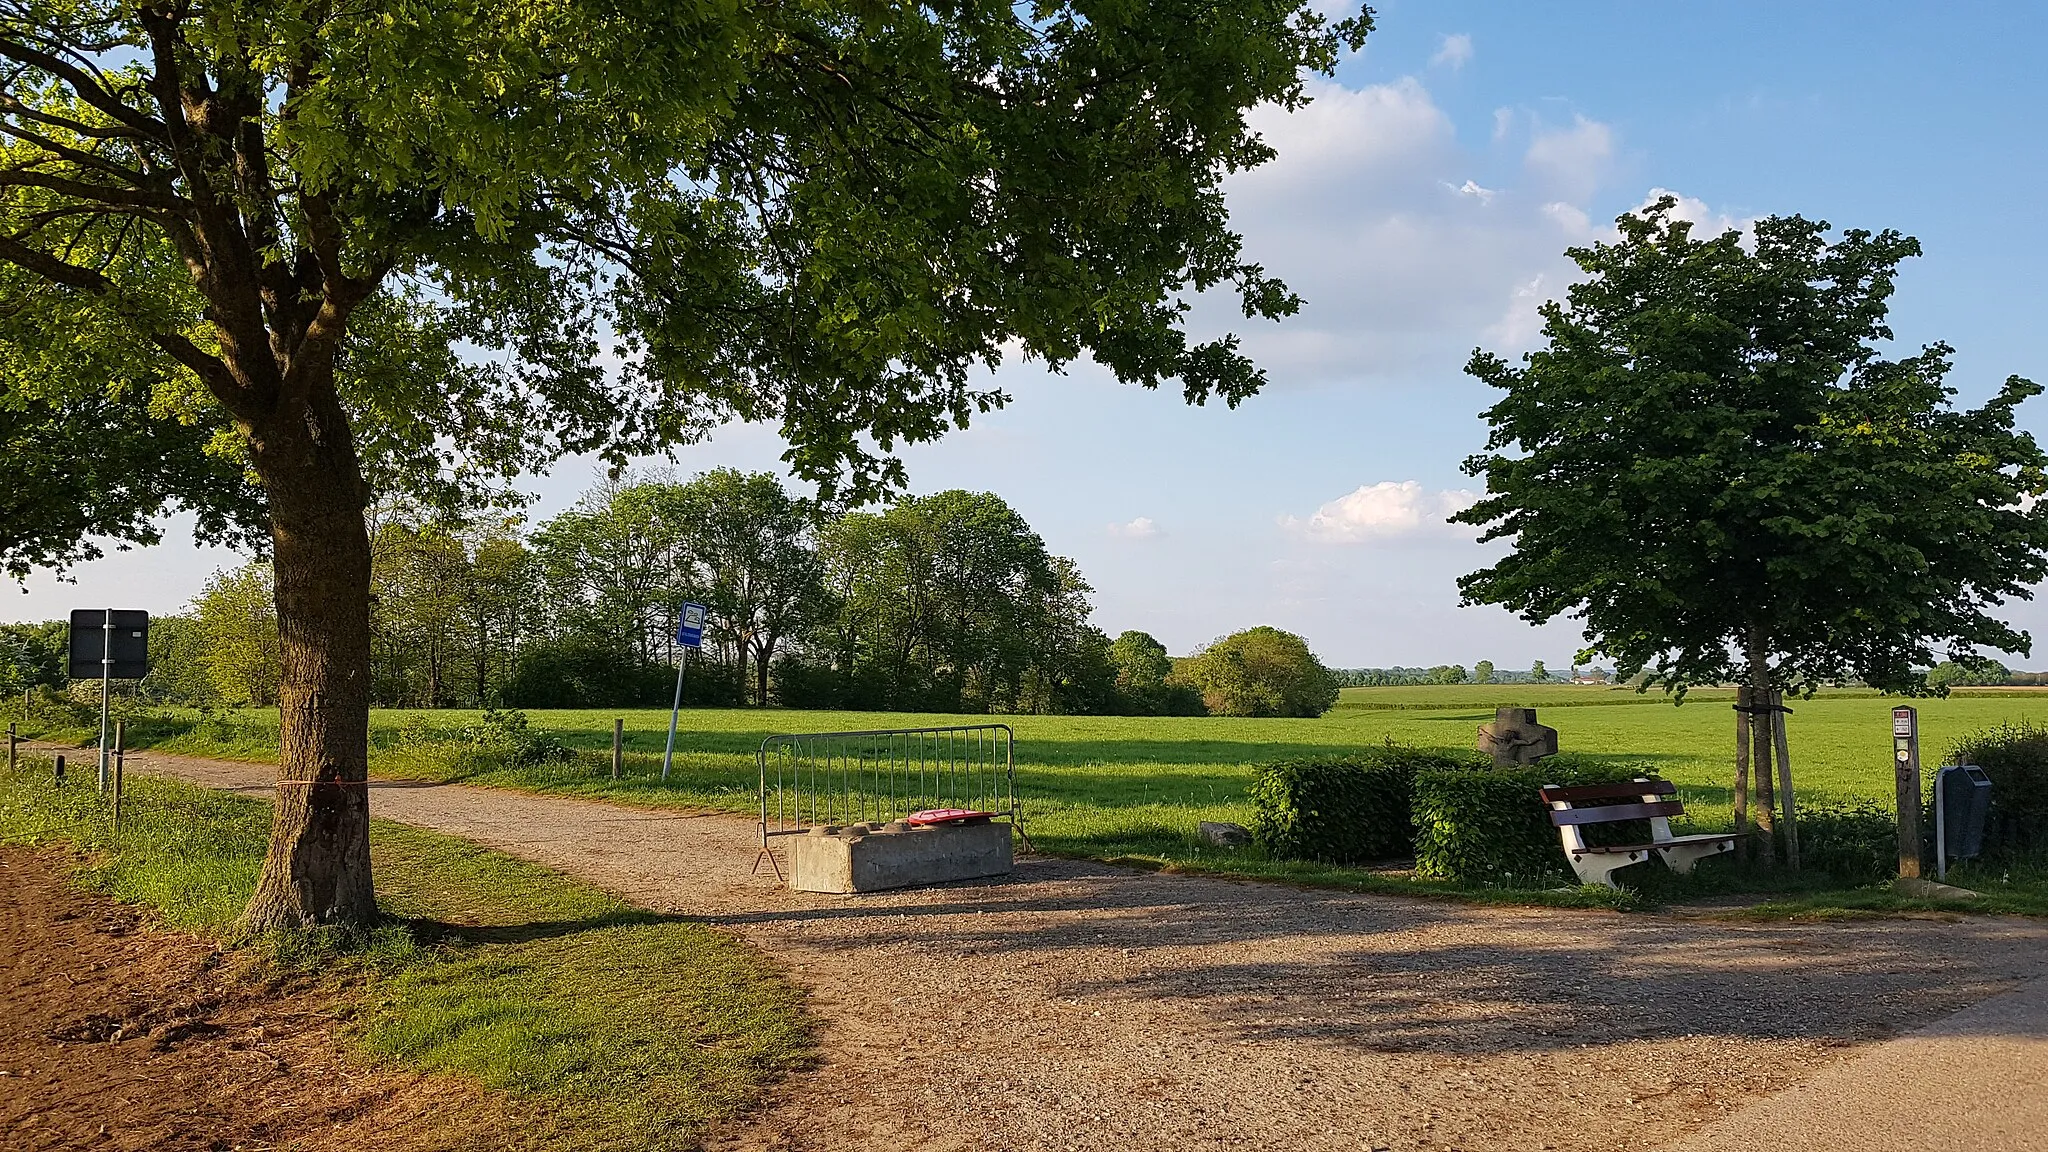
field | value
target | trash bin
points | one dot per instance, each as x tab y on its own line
1962	799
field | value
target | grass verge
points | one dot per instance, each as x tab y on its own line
606	1027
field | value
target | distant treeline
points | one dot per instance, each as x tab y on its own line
943	603
1483	672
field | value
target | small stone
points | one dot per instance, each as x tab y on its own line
1223	834
858	829
824	829
896	826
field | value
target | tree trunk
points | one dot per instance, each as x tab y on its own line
318	867
1761	731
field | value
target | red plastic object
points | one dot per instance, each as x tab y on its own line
949	816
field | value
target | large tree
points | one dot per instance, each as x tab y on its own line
750	553
823	215
1715	467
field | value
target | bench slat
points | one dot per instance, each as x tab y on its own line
1626	791
1675	841
1614	813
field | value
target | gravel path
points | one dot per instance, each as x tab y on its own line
1076	1006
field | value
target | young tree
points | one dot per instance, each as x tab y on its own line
1712	465
823	215
1482	672
1538	672
237	616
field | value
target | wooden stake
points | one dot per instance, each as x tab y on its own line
1785	799
1760	743
60	769
1742	769
618	746
11	738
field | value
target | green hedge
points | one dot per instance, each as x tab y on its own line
2015	756
1349	809
1489	827
1856	843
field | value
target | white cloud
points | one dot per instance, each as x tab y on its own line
1404	250
1571	162
1141	528
1454	52
1388	509
1483	195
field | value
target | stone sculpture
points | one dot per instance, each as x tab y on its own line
1515	739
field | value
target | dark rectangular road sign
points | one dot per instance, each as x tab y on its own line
90	642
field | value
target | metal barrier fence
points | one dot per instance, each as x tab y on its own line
873	777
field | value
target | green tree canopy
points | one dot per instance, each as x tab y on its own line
1713	466
1260	672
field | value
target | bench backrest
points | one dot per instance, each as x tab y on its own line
1565	811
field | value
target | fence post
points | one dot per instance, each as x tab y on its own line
10	748
120	765
60	769
618	746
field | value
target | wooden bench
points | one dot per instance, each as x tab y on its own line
1654	800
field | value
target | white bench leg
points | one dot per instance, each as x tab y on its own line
1600	867
1682	858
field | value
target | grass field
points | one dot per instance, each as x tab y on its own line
1132	789
1137	786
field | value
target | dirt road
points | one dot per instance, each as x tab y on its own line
1075	1006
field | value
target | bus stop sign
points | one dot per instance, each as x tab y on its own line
690	626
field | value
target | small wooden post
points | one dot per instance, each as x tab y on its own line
11	739
120	764
1761	745
1742	769
1906	758
60	769
618	746
1787	809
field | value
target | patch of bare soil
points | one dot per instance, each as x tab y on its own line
118	1035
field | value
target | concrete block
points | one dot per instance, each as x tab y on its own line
873	860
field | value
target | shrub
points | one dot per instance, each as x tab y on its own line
1344	809
1488	826
1856	843
2015	756
508	735
1259	672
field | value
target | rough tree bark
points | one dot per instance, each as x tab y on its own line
318	867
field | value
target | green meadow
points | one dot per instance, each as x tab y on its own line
1135	787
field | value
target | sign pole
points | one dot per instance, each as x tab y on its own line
689	634
1906	759
106	678
669	753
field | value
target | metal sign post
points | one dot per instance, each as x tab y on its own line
120	651
689	634
1906	759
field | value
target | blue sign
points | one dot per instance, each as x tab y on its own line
690	628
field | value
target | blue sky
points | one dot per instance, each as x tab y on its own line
1422	205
